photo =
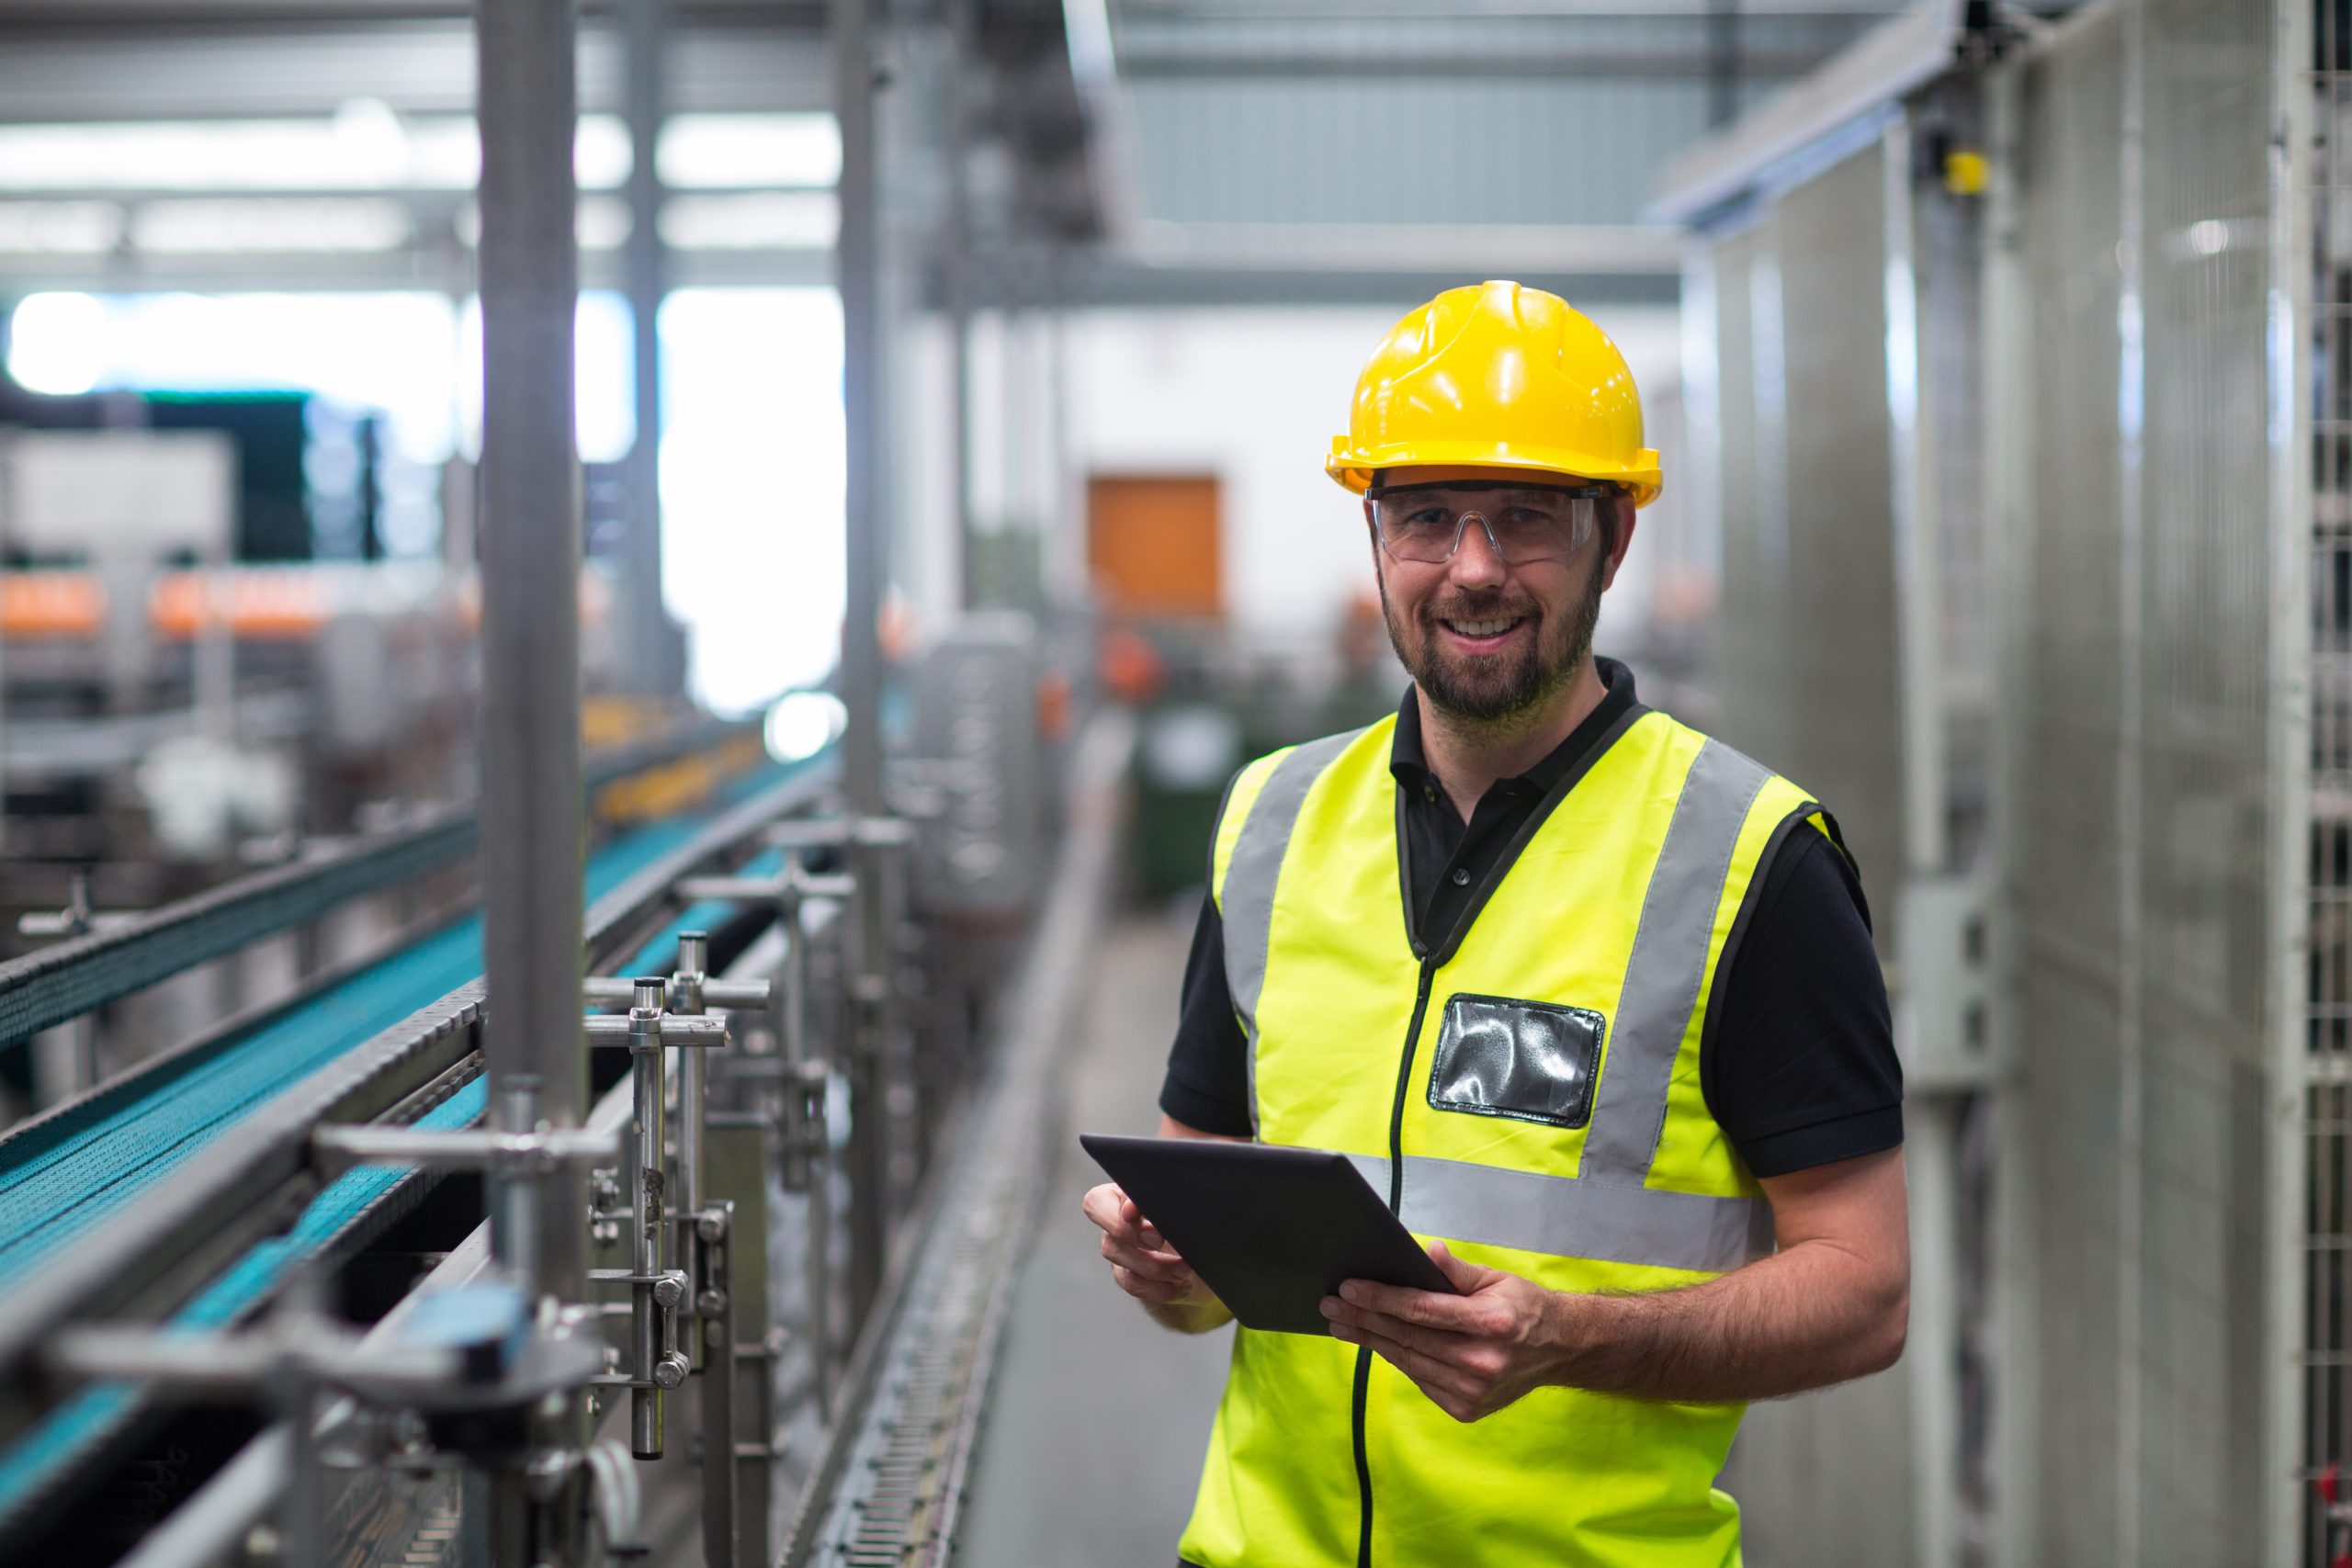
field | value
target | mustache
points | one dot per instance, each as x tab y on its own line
1474	609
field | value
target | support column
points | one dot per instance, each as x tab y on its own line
648	639
529	733
956	258
857	257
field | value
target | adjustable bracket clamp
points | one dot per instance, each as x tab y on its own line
647	1031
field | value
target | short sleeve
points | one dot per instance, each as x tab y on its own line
1207	1086
1799	1066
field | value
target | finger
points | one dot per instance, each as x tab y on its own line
1436	1343
1445	1384
1148	1289
1414	1306
1106	1205
1133	1218
1466	1276
1154	1265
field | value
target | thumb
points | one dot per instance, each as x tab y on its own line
1466	1276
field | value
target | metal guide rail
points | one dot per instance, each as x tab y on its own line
764	1022
123	954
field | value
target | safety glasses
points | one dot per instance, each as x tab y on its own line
1523	521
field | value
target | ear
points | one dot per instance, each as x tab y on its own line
1620	540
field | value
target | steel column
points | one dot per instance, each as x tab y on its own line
645	624
857	258
530	633
857	254
2295	172
958	264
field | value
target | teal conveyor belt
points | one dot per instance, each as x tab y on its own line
102	1156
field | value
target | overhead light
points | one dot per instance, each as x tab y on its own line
266	224
58	344
365	145
759	220
60	228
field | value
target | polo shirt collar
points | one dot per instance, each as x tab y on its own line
1409	766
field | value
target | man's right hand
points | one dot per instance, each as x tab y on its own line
1142	1263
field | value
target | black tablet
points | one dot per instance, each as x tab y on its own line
1273	1230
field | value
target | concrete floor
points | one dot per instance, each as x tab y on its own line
1100	1417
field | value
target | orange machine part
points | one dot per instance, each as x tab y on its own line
42	605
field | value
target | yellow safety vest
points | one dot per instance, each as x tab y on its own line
1531	1094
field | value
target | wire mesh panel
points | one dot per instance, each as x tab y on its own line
2062	853
1808	672
2205	687
2324	1321
1807	675
2139	864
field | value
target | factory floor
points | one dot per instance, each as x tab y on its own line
1095	1434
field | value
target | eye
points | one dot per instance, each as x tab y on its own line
1525	517
1425	517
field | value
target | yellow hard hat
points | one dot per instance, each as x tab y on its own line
1500	374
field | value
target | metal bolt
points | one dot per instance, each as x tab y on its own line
669	1291
711	1304
669	1371
710	1227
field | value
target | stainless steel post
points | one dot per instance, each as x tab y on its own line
529	725
956	264
806	1141
693	956
645	624
646	1204
856	257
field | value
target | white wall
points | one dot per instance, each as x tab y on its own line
1255	396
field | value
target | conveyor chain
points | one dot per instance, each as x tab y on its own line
889	1486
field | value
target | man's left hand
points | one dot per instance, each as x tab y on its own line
1471	1354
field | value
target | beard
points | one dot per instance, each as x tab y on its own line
1492	690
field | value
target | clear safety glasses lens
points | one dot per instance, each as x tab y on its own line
1426	524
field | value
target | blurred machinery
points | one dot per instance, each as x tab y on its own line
309	1354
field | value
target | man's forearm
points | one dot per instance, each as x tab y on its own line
1804	1318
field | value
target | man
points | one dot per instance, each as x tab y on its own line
1591	995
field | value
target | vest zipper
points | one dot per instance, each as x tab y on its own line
1396	1205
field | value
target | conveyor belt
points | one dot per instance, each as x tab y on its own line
70	1171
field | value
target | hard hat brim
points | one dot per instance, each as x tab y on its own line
1353	469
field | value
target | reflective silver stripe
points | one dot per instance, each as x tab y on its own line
1571	1217
1669	959
1247	910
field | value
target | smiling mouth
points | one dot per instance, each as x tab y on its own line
1480	631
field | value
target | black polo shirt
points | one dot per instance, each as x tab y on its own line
1799	1066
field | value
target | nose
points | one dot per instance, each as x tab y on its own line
1475	562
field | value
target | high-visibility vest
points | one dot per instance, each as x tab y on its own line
1528	1091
